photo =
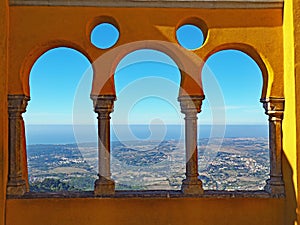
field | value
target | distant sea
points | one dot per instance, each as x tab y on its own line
68	134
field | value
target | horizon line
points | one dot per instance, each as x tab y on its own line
171	124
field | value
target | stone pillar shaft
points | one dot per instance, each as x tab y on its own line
103	106
104	144
274	108
191	145
191	106
17	184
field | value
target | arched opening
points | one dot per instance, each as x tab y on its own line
147	138
190	36
55	162
104	35
233	140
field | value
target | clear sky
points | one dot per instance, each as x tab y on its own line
147	84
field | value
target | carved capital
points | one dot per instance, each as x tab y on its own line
274	107
190	104
103	103
17	104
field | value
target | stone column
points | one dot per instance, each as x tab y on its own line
274	108
103	105
191	106
17	184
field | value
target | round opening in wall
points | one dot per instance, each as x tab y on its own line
105	35
190	36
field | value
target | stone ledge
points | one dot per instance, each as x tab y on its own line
213	4
162	194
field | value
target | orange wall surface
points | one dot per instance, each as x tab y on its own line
296	18
3	105
34	30
291	125
149	211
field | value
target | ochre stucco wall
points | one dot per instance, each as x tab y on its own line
290	169
296	20
266	36
3	106
260	36
145	211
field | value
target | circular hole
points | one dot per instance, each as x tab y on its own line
190	36
104	35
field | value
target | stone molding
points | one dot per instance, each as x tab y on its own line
209	4
274	107
103	103
190	104
17	104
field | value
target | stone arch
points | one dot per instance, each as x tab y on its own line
17	103
38	51
274	108
187	62
147	82
71	59
190	97
265	67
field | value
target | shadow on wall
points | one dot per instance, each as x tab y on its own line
290	207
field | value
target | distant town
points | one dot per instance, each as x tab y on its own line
228	164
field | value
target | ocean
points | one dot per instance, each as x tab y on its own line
69	134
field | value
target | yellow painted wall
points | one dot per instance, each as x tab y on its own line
3	106
296	18
296	13
227	29
289	125
33	30
291	129
145	211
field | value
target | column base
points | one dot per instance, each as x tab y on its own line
16	188
275	187
104	186
192	186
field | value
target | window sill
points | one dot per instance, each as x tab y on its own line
163	194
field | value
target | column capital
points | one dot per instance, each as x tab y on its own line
274	107
17	103
103	103
191	103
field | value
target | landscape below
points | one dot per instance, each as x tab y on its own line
224	164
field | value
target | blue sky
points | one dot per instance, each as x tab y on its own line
147	84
